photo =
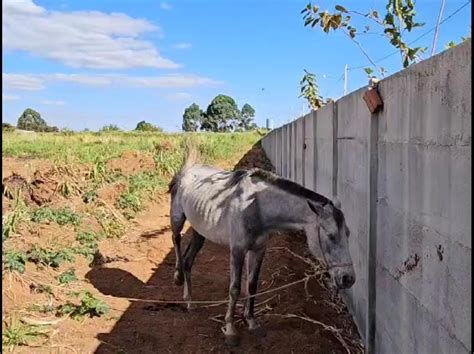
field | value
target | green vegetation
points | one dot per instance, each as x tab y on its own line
99	147
67	277
89	305
16	333
49	257
31	120
222	115
147	127
63	216
110	128
14	261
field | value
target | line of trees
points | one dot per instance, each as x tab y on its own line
222	115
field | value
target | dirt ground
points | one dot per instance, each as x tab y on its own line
141	266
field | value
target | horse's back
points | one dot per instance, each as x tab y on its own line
206	193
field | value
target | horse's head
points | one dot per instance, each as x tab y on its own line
328	239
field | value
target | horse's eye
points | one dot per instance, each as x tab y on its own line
332	238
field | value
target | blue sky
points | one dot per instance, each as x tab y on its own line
84	64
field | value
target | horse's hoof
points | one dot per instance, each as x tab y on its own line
258	331
232	340
178	278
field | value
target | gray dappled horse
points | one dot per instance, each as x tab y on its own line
240	209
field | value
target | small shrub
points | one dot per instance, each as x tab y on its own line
16	333
88	241
14	261
49	258
89	305
7	127
63	216
147	127
109	128
67	277
130	200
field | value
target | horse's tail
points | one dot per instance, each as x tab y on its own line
191	158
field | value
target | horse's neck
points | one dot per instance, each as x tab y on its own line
282	210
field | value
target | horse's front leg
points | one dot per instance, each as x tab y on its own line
237	257
254	263
177	222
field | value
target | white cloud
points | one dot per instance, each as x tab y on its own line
183	45
22	82
38	81
165	6
179	96
89	39
53	103
10	97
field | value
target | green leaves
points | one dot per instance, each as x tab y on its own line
369	72
310	91
67	277
14	261
399	17
62	216
89	305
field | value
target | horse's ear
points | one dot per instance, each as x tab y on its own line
316	208
336	202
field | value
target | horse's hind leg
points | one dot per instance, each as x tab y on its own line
237	257
254	263
177	222
194	246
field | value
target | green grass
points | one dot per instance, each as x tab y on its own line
62	216
93	147
16	333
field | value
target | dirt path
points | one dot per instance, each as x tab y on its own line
145	271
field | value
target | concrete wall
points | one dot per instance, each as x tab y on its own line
423	199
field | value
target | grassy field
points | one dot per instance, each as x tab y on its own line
80	195
93	147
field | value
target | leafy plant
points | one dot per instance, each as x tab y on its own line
89	305
14	261
399	17
61	216
147	127
16	333
52	258
109	128
88	241
310	91
67	277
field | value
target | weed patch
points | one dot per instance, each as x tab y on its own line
51	258
88	306
62	216
14	261
16	333
67	277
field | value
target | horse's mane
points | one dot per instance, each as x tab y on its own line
295	189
